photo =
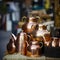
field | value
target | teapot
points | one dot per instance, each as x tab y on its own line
42	34
21	43
11	45
30	26
35	48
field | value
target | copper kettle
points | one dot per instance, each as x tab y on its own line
55	42
42	34
21	43
11	45
35	48
39	33
30	26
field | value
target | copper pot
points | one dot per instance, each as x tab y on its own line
21	43
55	42
43	35
42	32
59	42
24	48
30	26
47	39
39	33
35	48
11	45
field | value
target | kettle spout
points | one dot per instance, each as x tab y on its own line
14	36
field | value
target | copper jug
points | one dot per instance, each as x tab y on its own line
20	42
40	33
11	47
55	42
47	39
59	42
30	26
35	49
24	48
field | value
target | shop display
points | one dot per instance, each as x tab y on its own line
34	40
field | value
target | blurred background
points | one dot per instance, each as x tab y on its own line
13	11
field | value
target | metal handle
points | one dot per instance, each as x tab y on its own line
41	44
23	18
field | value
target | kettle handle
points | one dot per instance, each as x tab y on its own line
23	18
41	44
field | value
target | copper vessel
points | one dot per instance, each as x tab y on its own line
24	48
21	43
30	26
11	44
11	47
39	35
35	48
47	39
43	35
55	42
59	42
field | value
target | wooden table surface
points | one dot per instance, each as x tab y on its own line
17	56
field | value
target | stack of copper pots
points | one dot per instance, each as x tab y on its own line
34	47
32	39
